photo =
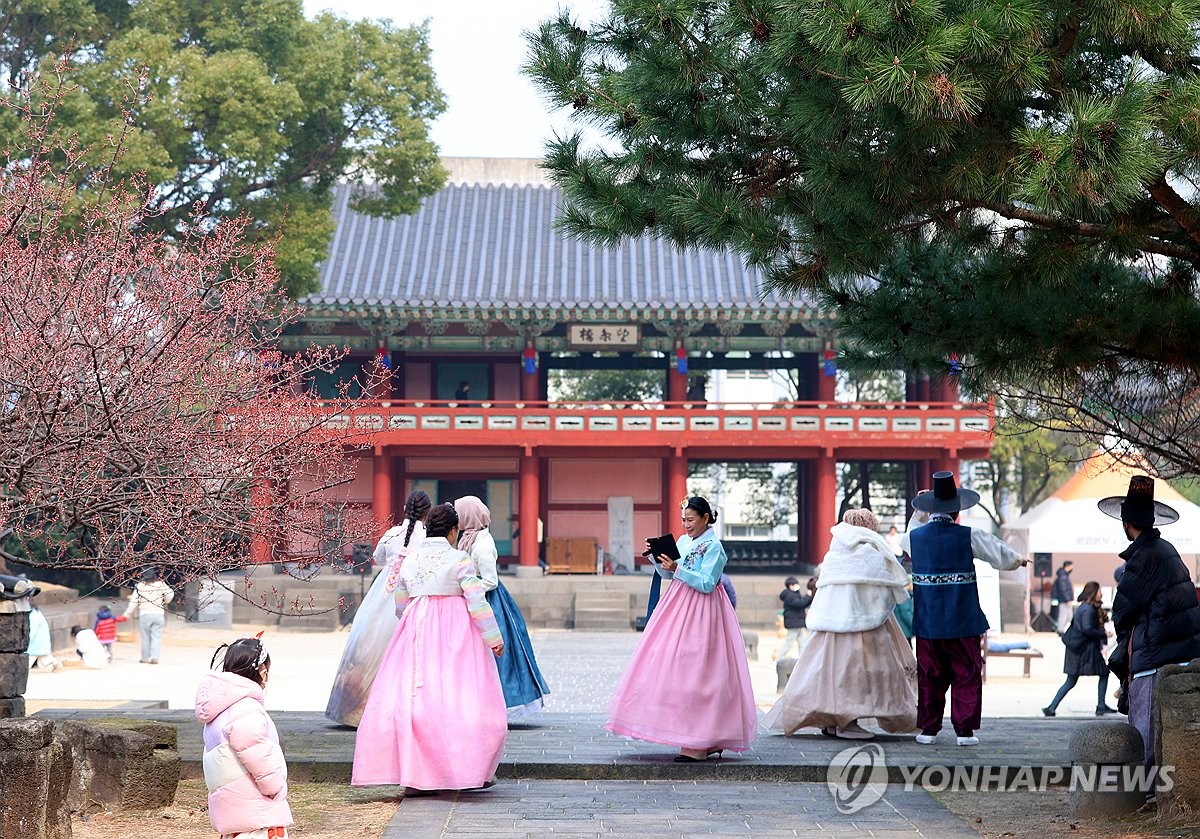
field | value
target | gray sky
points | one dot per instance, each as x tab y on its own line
493	111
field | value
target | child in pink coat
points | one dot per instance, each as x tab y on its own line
244	767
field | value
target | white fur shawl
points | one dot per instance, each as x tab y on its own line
859	584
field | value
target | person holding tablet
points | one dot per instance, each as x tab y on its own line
688	683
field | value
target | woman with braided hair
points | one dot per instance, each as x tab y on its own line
375	621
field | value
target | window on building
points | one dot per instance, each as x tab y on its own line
747	531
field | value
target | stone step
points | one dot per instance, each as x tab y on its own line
602	614
603	624
602	599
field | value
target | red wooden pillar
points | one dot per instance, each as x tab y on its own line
531	391
261	538
825	512
947	461
530	493
381	495
826	391
676	385
950	389
677	491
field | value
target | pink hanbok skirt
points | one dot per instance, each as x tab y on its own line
688	684
845	676
435	717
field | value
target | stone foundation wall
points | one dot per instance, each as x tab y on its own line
14	663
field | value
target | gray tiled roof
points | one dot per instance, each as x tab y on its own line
496	246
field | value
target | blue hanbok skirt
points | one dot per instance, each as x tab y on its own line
523	683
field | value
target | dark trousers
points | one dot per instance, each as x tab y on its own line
946	662
1071	681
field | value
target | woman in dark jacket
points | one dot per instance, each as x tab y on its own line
1084	656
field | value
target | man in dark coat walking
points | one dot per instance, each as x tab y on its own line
1062	597
1155	612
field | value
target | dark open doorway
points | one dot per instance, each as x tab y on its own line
448	490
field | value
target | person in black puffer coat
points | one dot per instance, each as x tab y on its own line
1084	657
1155	611
795	604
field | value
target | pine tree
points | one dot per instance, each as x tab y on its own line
1009	183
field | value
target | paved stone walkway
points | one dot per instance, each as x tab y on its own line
564	775
670	810
576	746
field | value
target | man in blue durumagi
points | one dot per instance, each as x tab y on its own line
947	618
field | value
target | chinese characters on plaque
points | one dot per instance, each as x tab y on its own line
605	336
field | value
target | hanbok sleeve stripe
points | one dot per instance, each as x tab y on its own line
477	605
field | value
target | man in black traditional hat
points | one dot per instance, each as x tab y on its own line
1155	606
947	618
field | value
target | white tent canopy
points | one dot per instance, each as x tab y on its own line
1069	526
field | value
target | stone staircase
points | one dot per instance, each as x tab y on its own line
603	610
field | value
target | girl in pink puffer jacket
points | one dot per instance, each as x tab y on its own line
244	767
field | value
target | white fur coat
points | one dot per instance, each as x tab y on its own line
860	582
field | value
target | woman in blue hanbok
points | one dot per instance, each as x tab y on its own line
523	683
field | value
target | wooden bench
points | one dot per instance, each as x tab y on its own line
1027	655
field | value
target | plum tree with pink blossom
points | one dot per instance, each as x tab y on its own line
145	412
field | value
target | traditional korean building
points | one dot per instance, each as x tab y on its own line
479	288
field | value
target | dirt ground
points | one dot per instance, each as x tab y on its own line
321	811
1037	815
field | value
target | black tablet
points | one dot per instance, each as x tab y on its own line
663	546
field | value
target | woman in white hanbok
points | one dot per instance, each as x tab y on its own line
857	664
375	621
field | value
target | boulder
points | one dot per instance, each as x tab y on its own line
35	768
1177	733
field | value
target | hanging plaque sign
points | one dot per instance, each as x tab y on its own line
604	336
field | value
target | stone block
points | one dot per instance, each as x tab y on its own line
14	674
1176	733
14	632
1093	747
11	707
1105	743
134	764
34	772
73	736
783	672
25	734
750	640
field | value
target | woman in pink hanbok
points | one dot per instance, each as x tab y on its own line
435	718
688	684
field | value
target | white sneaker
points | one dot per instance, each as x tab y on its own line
968	741
854	731
926	739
